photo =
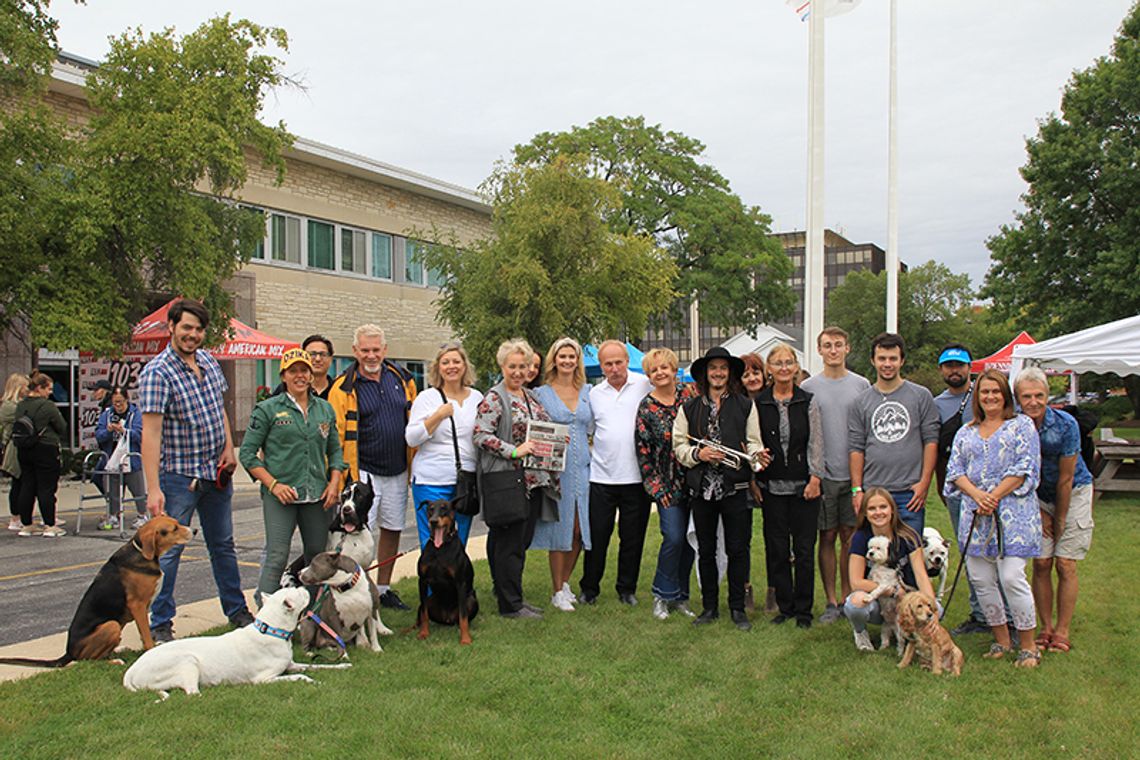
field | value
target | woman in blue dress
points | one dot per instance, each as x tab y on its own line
566	398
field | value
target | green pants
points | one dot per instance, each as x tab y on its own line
280	522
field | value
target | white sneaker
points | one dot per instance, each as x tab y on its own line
660	609
54	531
30	530
15	524
562	602
139	522
863	641
566	592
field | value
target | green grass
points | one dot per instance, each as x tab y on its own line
610	681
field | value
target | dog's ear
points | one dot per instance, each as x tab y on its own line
148	538
425	504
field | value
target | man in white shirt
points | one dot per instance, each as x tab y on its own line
615	479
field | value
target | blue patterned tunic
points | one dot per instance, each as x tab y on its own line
559	536
1014	449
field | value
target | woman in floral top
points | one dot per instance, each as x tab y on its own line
995	465
507	544
664	481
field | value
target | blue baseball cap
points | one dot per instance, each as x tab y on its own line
954	355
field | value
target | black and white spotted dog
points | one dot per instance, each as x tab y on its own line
348	531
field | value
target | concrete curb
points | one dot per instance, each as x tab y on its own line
191	619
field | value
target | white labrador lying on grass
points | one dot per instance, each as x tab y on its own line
260	652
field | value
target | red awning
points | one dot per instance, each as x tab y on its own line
1001	359
150	336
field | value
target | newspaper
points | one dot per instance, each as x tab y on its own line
551	442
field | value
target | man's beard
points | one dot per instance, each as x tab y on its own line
956	381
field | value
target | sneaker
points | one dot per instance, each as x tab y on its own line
522	613
969	625
532	608
139	522
15	524
830	614
682	607
30	530
660	609
60	522
241	619
108	523
162	634
561	602
392	601
568	593
629	599
585	598
52	532
740	620
863	641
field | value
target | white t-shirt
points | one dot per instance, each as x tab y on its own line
434	462
613	460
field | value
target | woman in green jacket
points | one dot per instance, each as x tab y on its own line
292	448
39	464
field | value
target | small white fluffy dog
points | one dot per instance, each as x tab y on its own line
887	582
258	653
936	556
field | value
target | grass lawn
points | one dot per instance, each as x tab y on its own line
610	681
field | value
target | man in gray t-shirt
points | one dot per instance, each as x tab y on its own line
892	432
834	392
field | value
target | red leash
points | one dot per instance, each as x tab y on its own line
383	562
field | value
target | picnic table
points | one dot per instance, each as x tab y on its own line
1120	470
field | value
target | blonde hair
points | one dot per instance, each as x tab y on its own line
435	379
16	383
781	348
551	371
369	331
655	355
514	346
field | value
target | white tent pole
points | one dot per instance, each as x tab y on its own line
813	248
1074	384
892	259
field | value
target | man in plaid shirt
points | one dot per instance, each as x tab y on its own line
188	456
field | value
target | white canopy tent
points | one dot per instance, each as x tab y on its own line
1112	347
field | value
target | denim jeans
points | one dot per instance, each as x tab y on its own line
916	520
422	492
858	617
216	519
954	507
675	559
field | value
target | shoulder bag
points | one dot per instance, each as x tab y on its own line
503	492
950	427
466	498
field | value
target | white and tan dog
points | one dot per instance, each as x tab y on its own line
936	557
887	583
260	652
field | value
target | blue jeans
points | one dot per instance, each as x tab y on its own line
675	559
216	518
858	617
954	507
916	520
422	493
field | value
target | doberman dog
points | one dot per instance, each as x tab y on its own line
446	570
122	591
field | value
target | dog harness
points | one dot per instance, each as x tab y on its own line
268	630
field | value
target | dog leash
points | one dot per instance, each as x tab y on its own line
383	562
961	563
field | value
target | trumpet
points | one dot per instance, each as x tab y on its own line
733	458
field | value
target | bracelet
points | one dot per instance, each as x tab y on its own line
514	452
856	489
273	485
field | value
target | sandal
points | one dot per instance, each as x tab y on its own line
1059	644
997	651
1027	658
1043	640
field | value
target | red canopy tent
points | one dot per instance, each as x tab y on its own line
150	336
1000	359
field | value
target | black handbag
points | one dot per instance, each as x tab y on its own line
466	499
948	429
503	493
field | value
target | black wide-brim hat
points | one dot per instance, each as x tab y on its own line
700	366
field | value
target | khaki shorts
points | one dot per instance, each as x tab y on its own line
1077	536
835	506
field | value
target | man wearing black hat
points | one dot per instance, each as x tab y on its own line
724	416
101	392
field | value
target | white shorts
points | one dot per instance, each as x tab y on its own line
1076	538
390	502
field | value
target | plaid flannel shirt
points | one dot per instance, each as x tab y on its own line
193	426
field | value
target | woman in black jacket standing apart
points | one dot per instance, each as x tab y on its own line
39	464
724	415
790	429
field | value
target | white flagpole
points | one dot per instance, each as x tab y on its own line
813	249
892	259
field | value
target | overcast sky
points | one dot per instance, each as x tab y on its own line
447	87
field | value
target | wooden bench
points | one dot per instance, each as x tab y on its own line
1120	470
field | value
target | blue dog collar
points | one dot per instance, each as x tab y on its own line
268	630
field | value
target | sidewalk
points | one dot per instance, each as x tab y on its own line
191	619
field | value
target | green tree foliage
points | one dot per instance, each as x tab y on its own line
1070	259
722	248
27	45
552	266
935	308
139	201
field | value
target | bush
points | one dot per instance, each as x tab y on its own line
1110	410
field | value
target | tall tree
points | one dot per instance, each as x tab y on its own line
552	266
1070	259
139	201
723	249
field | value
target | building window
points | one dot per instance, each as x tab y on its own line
381	256
353	251
417	369
413	266
285	238
258	251
321	245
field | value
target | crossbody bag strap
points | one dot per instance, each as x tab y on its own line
965	398
454	434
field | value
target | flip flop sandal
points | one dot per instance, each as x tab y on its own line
997	651
1043	640
1027	659
1059	644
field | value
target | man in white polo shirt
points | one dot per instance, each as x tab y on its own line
615	479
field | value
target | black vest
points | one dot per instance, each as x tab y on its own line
734	412
795	467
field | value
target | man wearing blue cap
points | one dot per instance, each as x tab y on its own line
955	409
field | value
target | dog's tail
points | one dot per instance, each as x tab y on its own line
29	662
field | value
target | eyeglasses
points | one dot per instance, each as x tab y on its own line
319	354
782	365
